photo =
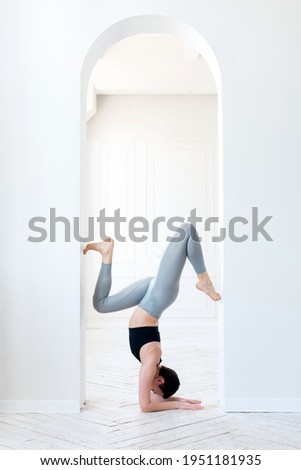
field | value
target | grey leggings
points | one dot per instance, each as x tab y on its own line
153	294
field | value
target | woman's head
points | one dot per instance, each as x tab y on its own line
171	381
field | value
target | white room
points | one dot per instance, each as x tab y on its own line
87	127
146	141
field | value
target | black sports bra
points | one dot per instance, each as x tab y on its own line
142	335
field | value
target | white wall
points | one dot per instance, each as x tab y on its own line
149	64
154	142
43	47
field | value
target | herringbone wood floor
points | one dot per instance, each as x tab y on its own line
111	419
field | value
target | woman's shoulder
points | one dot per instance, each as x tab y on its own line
151	353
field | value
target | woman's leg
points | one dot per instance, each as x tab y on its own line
127	297
164	288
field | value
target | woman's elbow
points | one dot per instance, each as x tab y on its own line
145	408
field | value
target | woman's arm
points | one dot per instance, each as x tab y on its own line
146	376
184	400
157	398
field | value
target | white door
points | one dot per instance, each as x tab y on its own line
149	160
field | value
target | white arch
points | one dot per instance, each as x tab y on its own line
153	24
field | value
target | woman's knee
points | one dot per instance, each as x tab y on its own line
190	230
99	305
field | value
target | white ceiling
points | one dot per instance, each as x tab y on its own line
152	64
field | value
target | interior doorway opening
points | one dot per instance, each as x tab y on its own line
152	149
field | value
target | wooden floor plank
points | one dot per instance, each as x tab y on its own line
111	418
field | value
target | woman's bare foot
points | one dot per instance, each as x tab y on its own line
205	284
105	248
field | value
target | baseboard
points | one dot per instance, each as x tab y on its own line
39	406
262	405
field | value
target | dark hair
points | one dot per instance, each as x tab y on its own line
171	381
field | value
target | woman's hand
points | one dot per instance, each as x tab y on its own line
188	400
190	405
180	403
187	403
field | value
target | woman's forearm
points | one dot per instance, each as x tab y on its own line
162	406
176	399
181	404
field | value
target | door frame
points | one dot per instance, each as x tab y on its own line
149	24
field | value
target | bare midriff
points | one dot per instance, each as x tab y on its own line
141	318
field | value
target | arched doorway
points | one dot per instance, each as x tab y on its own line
125	29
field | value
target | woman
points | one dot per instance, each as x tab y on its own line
152	296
